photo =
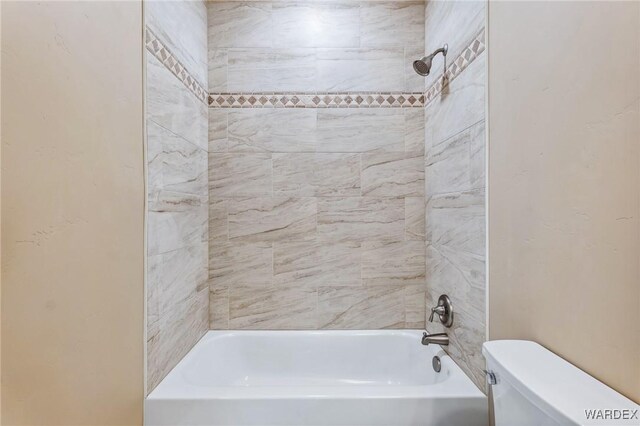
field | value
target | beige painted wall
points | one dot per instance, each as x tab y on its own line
72	213
564	182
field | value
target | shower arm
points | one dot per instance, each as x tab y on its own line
444	49
422	66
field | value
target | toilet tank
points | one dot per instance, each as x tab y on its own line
533	386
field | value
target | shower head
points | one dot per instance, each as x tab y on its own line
423	65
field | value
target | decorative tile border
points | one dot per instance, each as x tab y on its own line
314	99
351	99
468	55
317	100
164	55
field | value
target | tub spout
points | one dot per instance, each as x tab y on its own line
437	338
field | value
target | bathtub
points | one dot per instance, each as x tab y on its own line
315	378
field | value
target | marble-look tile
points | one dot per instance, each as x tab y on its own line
465	347
153	293
182	27
466	337
360	130
393	263
182	273
456	164
320	174
461	276
415	305
176	155
392	174
414	130
174	223
289	307
453	22
392	23
177	332
240	175
316	242
360	219
447	165
249	264
308	24
251	70
172	106
477	160
219	308
173	277
365	69
173	163
269	70
361	307
175	202
239	24
291	69
272	219
218	224
414	218
457	220
154	148
454	161
218	60
313	263
218	141
459	106
272	130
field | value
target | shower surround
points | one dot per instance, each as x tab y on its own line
177	196
455	178
316	165
318	206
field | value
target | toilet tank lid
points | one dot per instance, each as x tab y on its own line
551	383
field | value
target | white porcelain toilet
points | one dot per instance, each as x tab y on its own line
533	386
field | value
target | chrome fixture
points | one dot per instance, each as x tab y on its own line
444	310
436	338
436	364
423	65
491	377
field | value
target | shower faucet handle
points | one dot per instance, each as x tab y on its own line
444	310
440	310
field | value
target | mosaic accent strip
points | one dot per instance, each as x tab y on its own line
316	100
313	99
351	99
164	55
468	55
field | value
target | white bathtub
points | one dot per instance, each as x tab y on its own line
315	378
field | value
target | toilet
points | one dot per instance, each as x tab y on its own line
530	385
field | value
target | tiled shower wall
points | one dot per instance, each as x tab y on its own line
316	215
176	127
455	182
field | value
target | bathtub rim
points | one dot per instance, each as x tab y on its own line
457	385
